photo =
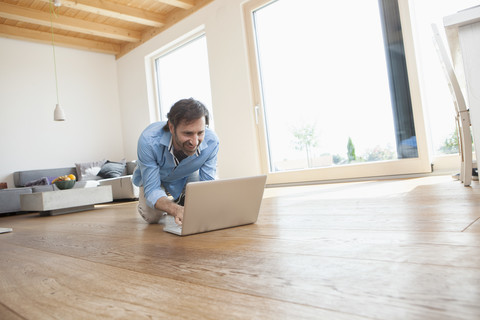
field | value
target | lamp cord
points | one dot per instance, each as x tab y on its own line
53	47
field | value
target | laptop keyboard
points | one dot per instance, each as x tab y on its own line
171	224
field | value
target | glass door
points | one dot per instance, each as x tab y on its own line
439	107
334	100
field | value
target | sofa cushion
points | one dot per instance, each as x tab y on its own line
10	199
112	169
86	184
89	170
122	187
50	187
131	165
20	178
38	182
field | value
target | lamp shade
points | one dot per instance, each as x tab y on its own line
58	114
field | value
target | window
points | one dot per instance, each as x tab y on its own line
435	93
333	86
182	72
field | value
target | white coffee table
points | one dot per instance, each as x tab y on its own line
65	201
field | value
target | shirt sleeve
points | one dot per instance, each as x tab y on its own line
150	172
209	169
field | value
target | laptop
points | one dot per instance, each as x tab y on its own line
219	204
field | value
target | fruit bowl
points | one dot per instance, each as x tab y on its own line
65	184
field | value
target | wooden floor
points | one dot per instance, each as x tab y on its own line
393	249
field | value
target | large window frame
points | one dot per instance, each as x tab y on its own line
157	111
345	172
442	162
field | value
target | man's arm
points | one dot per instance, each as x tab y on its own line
209	169
170	207
206	172
150	179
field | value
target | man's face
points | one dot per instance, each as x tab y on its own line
188	136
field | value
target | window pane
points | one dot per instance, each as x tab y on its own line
183	73
333	93
436	96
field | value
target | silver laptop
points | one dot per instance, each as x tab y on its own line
219	204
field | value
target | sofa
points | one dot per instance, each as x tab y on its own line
89	174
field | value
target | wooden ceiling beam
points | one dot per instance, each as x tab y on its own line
117	11
97	30
28	15
172	19
183	4
60	40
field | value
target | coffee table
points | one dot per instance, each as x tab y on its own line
65	201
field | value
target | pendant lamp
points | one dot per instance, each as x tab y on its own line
58	114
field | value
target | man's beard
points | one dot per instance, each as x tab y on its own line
186	147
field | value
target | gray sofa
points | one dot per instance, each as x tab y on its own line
122	187
10	199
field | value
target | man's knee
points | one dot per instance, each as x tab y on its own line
148	214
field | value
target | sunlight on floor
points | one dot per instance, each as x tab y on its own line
364	189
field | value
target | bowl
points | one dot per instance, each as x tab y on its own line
65	184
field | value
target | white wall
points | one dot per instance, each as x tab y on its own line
231	96
29	138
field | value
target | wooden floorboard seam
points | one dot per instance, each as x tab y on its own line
12	311
471	224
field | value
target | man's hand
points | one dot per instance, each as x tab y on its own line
170	207
178	214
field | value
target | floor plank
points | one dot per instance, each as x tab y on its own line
399	249
66	288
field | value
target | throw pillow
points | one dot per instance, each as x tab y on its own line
50	179
39	182
112	170
89	170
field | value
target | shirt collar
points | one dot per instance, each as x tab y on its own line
170	149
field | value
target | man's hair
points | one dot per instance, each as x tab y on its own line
186	110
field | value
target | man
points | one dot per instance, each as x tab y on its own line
170	154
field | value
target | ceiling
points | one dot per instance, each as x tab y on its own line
109	26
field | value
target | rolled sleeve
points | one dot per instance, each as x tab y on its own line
208	170
150	173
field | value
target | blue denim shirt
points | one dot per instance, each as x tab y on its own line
156	165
